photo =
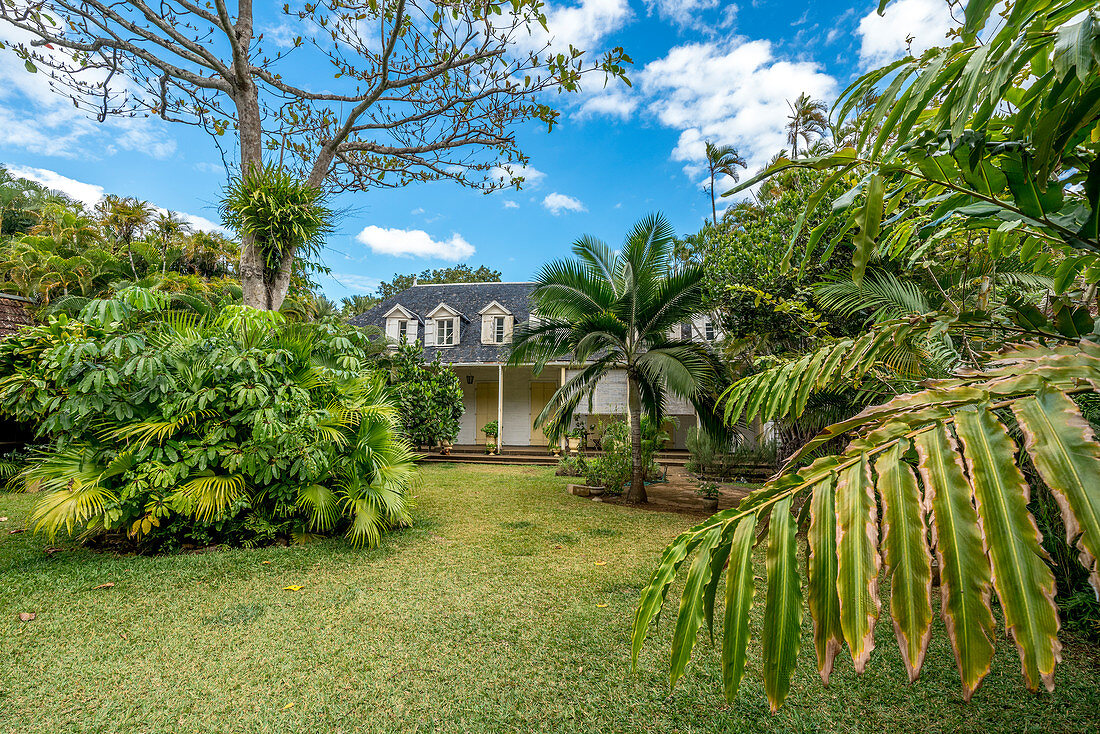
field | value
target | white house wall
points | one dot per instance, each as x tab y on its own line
517	401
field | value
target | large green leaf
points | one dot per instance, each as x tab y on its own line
692	605
908	560
740	588
1064	450
965	578
783	605
1024	583
870	220
857	559
653	595
822	576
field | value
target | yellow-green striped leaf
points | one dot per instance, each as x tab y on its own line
783	606
1064	450
905	551
739	596
822	571
857	559
965	578
1024	583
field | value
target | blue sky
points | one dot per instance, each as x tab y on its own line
704	69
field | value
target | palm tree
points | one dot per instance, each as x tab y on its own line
168	228
620	310
808	117
722	159
125	217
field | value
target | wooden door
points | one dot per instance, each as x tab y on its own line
541	392
486	412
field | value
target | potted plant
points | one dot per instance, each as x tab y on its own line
710	494
491	431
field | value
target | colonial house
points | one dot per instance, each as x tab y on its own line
469	325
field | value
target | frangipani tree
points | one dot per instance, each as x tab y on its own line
996	135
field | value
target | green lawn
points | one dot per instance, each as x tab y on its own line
487	615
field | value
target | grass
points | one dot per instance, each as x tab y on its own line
487	615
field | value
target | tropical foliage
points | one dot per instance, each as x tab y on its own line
428	395
621	309
161	427
988	145
56	252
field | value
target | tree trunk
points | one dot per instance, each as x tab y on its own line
636	494
713	207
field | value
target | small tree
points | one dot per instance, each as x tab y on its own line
428	394
421	90
621	310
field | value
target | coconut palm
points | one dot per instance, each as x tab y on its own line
721	159
620	310
807	118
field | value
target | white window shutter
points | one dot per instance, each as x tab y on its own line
509	321
391	329
486	329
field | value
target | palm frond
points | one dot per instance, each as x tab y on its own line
209	495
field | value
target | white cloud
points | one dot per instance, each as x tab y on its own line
613	102
86	193
91	194
509	204
557	203
583	24
689	13
199	223
884	38
414	243
35	117
731	92
508	172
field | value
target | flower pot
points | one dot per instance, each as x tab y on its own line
574	444
710	505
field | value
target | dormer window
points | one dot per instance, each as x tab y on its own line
444	326
496	324
402	325
445	332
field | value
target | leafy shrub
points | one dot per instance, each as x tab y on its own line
168	427
428	395
613	469
705	451
491	429
571	466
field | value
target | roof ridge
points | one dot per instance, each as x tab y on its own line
480	282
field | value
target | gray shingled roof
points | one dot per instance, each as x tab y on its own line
467	298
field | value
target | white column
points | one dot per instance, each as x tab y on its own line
500	407
562	441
